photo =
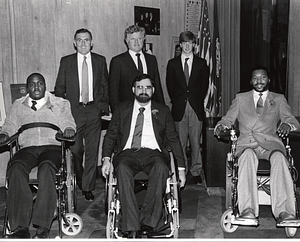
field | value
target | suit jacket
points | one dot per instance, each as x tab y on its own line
180	92
67	82
122	72
261	129
163	125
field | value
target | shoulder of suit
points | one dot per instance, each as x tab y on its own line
155	104
71	56
97	55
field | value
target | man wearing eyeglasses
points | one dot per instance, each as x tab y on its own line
83	80
126	66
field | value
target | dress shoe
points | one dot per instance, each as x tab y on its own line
197	180
88	196
41	233
145	229
19	233
285	216
247	213
132	235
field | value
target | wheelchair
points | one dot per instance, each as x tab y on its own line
69	222
170	201
229	221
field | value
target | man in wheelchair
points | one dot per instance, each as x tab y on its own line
140	130
38	147
258	112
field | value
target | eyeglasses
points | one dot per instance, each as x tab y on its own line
147	88
137	39
83	41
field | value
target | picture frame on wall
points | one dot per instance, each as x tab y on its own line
149	18
175	47
2	107
148	48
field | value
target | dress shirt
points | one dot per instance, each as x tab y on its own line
134	57
256	96
90	72
189	62
39	103
148	137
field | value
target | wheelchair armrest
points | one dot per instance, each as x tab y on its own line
60	137
295	135
10	140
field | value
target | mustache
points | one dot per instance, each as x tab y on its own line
143	95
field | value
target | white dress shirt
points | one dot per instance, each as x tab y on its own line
134	57
90	72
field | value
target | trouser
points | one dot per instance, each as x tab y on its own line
190	128
281	183
87	141
19	196
155	165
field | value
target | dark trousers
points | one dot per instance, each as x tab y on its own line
19	196
87	143
155	165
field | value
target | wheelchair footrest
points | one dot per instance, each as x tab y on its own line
289	223
245	221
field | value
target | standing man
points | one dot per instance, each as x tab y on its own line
38	147
83	80
258	113
126	66
141	130
187	84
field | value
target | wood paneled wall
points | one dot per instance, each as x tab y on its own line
35	34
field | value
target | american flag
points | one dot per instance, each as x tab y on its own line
210	51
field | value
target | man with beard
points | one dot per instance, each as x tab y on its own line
258	113
140	131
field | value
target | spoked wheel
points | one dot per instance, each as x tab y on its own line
225	222
290	231
176	225
74	225
110	226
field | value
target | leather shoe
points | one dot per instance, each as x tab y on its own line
88	196
132	235
145	229
41	233
247	213
19	233
285	216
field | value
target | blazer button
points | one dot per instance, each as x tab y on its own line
187	90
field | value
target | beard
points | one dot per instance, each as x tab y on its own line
143	98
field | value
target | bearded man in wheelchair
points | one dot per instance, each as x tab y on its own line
258	113
38	147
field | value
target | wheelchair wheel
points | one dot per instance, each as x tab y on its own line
75	224
71	183
176	225
290	231
225	222
110	226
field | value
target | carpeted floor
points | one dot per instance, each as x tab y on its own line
199	218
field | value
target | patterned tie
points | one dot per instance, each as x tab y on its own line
137	134
85	82
33	105
259	105
140	65
186	70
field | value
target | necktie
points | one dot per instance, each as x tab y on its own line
140	65
186	70
259	105
85	82
137	134
33	105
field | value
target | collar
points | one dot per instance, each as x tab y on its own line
80	56
133	54
136	105
264	94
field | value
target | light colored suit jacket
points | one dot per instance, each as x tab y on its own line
259	130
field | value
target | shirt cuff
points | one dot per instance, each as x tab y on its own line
181	168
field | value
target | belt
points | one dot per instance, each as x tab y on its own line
86	104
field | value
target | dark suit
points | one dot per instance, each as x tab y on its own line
122	72
115	140
87	118
188	104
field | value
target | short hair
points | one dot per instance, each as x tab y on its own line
260	68
31	76
82	31
187	36
134	29
142	77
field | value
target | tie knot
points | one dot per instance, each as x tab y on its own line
186	59
84	58
260	94
34	102
141	109
138	55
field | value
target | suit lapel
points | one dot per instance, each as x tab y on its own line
74	66
178	66
129	60
94	66
127	116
